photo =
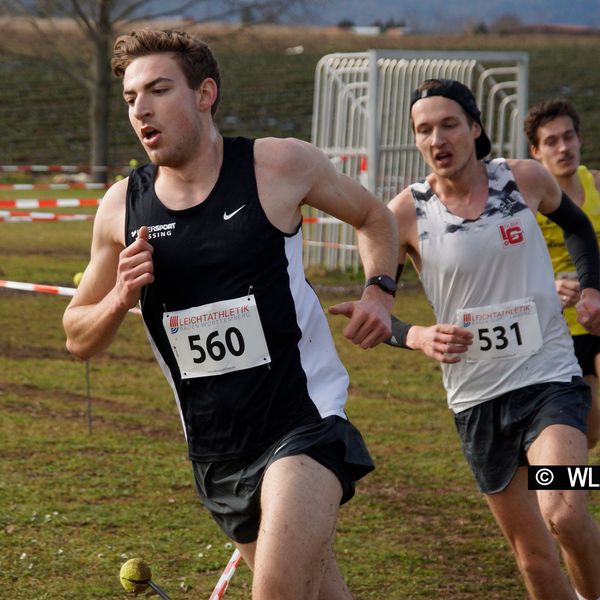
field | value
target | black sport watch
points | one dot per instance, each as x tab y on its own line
385	282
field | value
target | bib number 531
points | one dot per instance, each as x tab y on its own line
503	330
496	337
233	342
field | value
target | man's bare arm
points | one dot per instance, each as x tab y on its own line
299	173
443	342
112	281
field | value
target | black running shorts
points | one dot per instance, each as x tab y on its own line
231	490
496	434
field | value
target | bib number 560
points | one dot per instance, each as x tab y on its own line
216	349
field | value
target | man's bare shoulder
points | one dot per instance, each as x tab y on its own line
531	175
402	202
110	217
403	208
536	184
286	153
116	194
528	168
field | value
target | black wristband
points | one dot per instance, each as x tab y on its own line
399	333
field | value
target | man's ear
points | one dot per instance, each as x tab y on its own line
207	94
534	152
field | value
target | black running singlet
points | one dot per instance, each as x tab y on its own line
228	285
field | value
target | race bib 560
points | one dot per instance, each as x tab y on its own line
217	338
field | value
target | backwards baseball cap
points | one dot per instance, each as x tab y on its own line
454	90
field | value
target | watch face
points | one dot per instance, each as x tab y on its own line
389	283
385	282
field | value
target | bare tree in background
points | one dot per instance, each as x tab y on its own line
98	22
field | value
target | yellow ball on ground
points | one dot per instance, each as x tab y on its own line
135	575
77	278
133	163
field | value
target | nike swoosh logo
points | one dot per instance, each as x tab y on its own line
226	217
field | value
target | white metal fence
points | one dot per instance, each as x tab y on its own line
361	121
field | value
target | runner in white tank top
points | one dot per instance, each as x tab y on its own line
499	261
508	362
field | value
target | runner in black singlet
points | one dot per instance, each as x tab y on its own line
207	239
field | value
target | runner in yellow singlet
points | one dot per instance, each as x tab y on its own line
552	128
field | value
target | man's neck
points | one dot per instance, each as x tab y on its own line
571	185
190	184
465	195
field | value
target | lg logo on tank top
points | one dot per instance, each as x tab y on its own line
157	231
512	233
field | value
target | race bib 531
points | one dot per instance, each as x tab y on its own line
502	330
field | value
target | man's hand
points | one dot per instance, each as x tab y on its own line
135	269
568	291
442	342
370	320
588	310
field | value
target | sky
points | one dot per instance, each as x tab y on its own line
437	15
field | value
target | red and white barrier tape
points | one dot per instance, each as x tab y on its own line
14	216
53	186
37	287
326	220
226	576
348	155
46	289
49	202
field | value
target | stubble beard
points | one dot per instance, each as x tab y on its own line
177	156
561	171
458	172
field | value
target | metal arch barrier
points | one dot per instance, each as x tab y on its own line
362	123
339	122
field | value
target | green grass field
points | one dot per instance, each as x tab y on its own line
77	503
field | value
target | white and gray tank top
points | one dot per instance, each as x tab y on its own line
493	275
